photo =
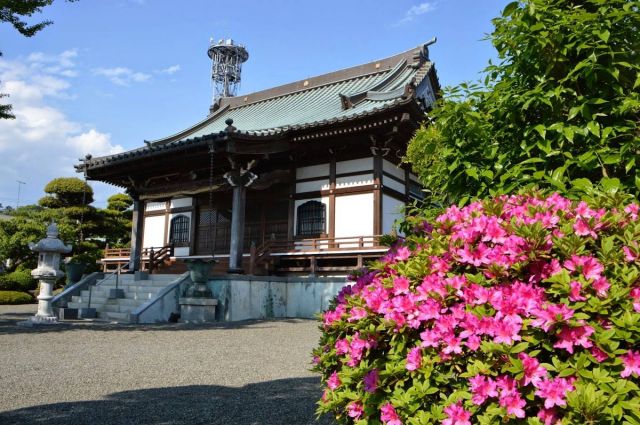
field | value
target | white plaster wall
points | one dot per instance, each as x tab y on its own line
155	206
312	186
353	165
154	231
393	184
391	211
320	170
358	180
354	215
181	202
299	202
393	169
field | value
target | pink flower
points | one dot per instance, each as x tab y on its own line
482	387
354	409
574	293
533	372
548	416
456	415
598	354
632	210
401	285
333	382
414	358
389	416
551	314
635	295
342	346
371	381
631	362
601	285
553	391
402	253
505	329
629	255
356	314
590	267
514	404
570	337
476	256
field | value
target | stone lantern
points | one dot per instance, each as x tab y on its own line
49	250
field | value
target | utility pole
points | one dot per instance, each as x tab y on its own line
20	183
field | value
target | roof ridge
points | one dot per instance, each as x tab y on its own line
413	57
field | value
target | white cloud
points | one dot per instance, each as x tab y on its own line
416	11
170	70
61	64
42	142
122	76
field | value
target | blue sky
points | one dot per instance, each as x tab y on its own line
109	74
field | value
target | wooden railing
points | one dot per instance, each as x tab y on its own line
157	258
116	252
150	259
325	244
261	255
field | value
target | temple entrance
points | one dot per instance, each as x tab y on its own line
266	218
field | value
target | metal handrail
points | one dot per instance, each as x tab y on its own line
104	279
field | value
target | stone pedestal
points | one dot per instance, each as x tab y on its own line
198	310
45	309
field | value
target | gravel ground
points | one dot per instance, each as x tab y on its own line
252	372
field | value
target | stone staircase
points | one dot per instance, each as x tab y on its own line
118	310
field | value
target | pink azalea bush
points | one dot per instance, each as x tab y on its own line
518	309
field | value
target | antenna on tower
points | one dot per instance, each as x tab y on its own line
226	66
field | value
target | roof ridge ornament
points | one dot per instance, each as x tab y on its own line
230	128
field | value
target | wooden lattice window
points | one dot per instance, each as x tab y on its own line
311	217
179	234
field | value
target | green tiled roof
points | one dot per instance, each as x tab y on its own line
339	96
316	100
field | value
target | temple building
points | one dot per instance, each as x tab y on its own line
301	178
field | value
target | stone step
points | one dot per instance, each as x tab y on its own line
116	317
105	290
117	308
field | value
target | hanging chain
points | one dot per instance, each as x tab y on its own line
211	238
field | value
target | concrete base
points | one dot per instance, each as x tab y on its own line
38	320
115	294
198	310
68	314
87	313
141	276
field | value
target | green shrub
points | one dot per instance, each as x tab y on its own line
15	297
513	310
19	280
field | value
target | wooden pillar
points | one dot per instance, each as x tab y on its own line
332	199
292	205
377	195
237	228
137	226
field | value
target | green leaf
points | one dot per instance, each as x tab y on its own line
604	35
510	8
594	128
568	133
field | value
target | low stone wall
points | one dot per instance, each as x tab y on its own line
257	297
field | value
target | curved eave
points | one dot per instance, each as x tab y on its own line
239	135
